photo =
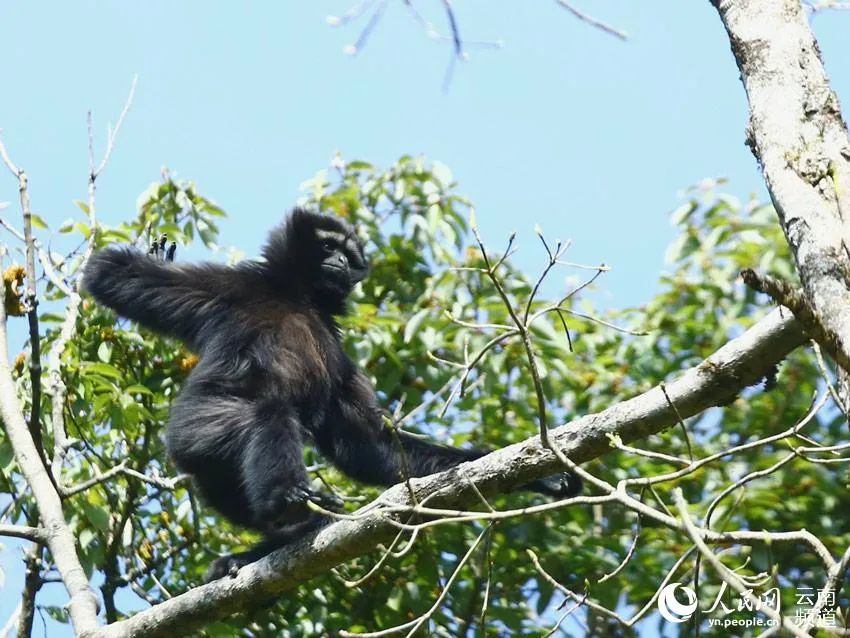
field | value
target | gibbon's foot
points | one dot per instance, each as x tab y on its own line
564	485
159	250
230	564
288	505
330	502
227	566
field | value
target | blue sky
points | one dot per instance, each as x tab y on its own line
589	137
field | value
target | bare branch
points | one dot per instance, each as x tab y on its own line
414	625
522	329
27	532
55	385
822	5
6	629
30	301
113	132
727	574
585	600
592	21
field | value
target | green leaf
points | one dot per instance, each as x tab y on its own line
97	516
358	165
83	229
682	213
413	324
86	537
104	369
104	352
138	389
38	222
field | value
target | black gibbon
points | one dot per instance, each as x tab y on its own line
272	375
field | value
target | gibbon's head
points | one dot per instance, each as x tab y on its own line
321	252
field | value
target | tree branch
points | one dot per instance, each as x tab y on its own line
602	26
716	381
82	606
800	140
31	301
55	385
23	531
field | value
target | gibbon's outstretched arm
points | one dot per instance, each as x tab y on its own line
184	301
358	441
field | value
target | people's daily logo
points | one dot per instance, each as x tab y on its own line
669	606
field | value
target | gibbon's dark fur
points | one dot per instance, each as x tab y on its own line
272	375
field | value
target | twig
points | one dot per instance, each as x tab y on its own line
36	534
617	442
456	39
354	49
377	566
662	478
32	319
825	374
6	629
17	234
415	625
31	302
821	5
592	21
553	259
601	322
725	573
629	553
96	480
591	604
112	134
522	329
55	384
681	421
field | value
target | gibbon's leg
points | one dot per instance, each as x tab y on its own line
276	488
273	472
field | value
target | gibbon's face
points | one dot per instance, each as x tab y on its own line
339	256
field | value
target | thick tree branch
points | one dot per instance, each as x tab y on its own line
716	381
798	136
83	603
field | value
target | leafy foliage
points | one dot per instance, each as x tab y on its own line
412	328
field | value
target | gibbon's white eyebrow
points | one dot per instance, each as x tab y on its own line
330	235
